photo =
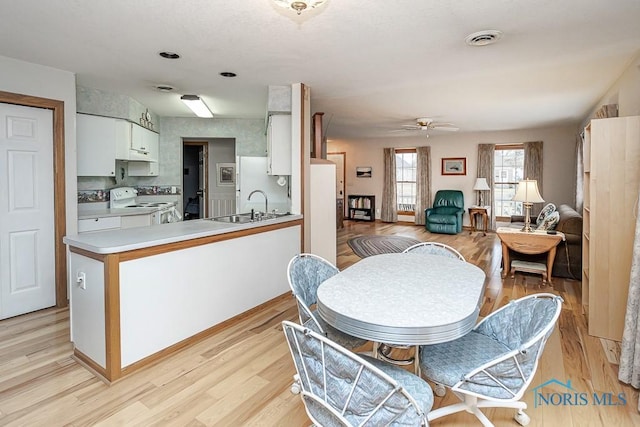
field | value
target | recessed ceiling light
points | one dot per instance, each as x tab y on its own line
483	38
228	74
164	88
169	55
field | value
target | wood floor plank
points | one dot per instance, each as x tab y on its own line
242	374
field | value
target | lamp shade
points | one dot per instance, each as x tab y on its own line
197	105
481	185
528	192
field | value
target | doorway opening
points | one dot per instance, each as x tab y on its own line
195	180
205	192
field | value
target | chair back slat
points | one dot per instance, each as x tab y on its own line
340	388
434	248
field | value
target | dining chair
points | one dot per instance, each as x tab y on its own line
305	273
434	248
493	365
341	388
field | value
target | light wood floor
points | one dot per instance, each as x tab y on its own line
242	375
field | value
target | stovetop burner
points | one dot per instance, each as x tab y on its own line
125	197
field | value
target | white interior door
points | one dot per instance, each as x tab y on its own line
27	252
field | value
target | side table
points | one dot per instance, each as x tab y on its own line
535	242
482	211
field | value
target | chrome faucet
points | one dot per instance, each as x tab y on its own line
266	202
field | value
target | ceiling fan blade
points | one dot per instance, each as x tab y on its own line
446	128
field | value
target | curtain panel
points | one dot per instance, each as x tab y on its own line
485	170
533	168
389	211
423	183
629	371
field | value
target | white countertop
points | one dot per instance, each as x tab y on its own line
114	241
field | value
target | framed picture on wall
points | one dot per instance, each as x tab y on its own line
226	174
363	172
454	166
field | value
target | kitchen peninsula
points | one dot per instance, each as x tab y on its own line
142	293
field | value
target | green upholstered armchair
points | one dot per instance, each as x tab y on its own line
446	214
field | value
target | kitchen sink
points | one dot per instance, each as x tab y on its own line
236	218
244	218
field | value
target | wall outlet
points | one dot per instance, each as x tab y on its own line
173	190
81	280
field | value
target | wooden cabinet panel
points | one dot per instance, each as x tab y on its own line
612	180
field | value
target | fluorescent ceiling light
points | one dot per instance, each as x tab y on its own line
197	105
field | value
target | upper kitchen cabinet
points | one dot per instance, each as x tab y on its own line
100	141
144	144
279	144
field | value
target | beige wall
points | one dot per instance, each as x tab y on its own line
625	92
558	174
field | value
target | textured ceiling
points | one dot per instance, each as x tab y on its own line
372	66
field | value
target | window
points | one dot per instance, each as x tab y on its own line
508	171
406	161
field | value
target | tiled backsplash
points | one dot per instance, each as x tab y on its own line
93	196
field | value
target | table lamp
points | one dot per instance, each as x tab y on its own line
528	194
480	186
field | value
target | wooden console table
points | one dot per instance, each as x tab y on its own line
483	211
535	242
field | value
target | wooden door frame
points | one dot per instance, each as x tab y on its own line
205	156
59	195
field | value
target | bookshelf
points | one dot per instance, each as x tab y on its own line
362	208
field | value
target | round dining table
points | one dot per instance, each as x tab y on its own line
404	298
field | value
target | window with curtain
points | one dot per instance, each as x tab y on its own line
406	162
508	170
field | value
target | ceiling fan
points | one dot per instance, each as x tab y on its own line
426	124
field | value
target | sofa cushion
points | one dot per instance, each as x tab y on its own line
546	211
550	221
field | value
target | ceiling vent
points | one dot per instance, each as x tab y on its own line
164	88
483	38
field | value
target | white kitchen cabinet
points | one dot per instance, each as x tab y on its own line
100	141
144	163
143	169
279	144
144	144
130	221
99	224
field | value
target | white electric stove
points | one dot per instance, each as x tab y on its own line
125	198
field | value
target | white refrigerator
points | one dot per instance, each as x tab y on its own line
252	175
